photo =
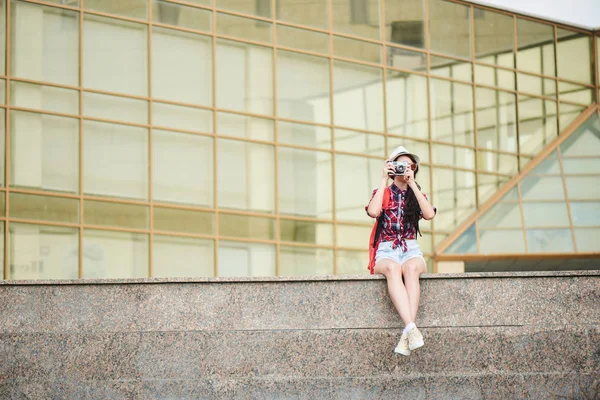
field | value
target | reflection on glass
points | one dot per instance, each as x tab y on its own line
130	8
584	141
406	59
575	93
356	17
450	28
181	66
465	244
244	28
352	236
568	114
504	214
305	183
549	240
404	22
451	112
304	99
115	160
451	68
358	142
103	213
536	85
536	215
488	161
494	35
300	261
538	124
453	156
109	254
587	240
583	187
115	108
535	43
3	38
574	46
244	127
352	262
306	232
260	8
184	118
501	78
246	175
244	77
585	213
43	208
182	168
454	196
47	98
184	221
246	259
304	12
115	65
496	120
353	190
44	152
178	15
356	49
501	241
407	105
52	41
42	252
302	39
304	135
358	97
182	257
542	188
488	185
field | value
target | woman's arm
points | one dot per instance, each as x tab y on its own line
426	207
376	203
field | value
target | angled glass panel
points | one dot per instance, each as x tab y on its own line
501	241
465	244
549	241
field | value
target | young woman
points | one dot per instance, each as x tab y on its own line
398	255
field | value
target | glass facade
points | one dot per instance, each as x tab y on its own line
243	138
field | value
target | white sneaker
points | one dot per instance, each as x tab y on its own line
415	339
402	347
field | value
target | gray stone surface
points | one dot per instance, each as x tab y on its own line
391	388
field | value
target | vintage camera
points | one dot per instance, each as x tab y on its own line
400	167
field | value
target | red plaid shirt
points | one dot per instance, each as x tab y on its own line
394	229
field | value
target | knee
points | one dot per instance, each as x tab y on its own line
392	270
411	269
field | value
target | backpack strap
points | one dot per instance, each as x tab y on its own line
384	205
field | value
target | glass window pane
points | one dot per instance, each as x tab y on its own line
130	8
453	156
184	118
304	12
244	77
246	175
119	66
301	261
356	17
353	236
353	190
465	244
583	187
584	142
581	165
535	42
3	37
450	38
536	215
452	112
496	120
501	215
501	241
184	221
454	197
244	127
305	99
43	208
418	147
549	240
585	213
181	66
488	185
246	259
494	77
575	93
182	257
568	113
536	85
305	183
451	68
182	168
109	254
244	28
115	108
405	59
306	232
587	240
115	160
358	142
47	98
302	39
538	124
105	213
497	162
407	105
168	13
43	252
549	166
542	188
356	49
304	135
494	34
574	46
261	8
358	98
45	43
352	262
44	152
404	22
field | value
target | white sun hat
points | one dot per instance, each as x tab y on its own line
399	151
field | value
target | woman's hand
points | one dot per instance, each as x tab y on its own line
388	168
409	177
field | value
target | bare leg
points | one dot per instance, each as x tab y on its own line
411	270
393	273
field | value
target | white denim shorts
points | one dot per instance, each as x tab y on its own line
413	250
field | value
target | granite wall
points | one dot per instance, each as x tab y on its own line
501	335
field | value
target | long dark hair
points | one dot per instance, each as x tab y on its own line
412	210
